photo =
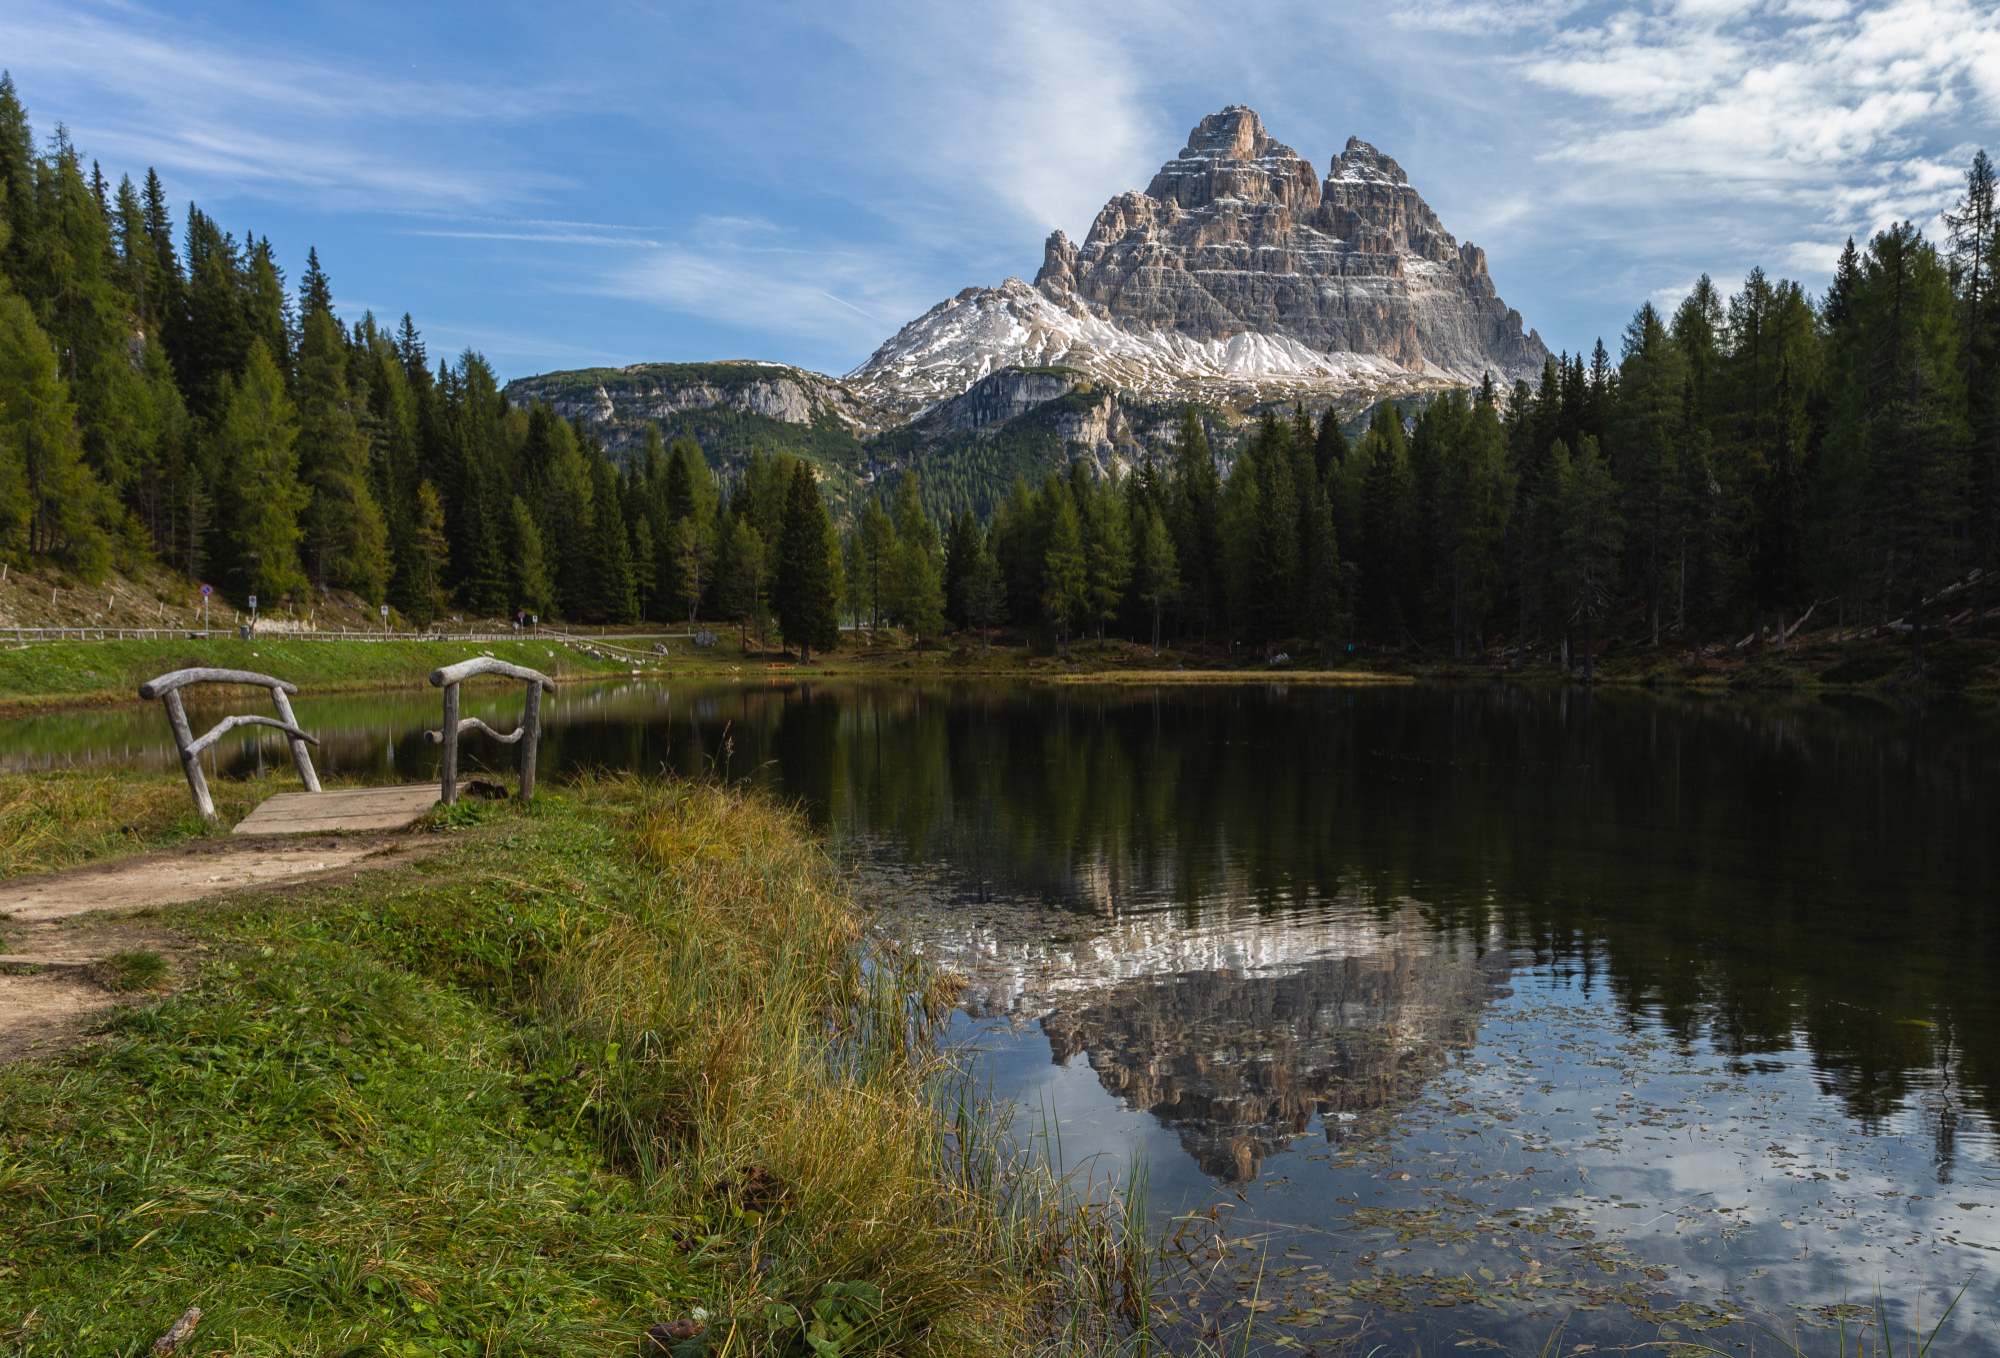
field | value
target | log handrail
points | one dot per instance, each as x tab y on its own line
475	724
167	689
167	683
228	724
486	664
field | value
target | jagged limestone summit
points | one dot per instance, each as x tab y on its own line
1238	272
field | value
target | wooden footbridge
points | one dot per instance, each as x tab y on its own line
317	811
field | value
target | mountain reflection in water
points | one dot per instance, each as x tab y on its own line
1239	1062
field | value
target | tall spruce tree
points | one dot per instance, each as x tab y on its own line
1065	569
807	588
346	540
256	440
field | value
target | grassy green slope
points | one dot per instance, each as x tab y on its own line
113	670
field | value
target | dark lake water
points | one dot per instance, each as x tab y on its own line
1482	1010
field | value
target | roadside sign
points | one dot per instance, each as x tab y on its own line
253	603
207	590
385	610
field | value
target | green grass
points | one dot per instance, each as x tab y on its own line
624	1058
64	818
134	969
113	670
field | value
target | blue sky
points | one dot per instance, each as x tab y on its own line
565	185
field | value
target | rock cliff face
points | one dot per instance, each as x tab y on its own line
1238	272
620	401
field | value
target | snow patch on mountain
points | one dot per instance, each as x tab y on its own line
984	330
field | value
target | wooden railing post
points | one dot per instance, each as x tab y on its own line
448	771
190	757
531	736
299	755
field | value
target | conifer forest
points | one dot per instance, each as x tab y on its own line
169	395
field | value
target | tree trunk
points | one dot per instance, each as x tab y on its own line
1916	632
1589	653
1781	629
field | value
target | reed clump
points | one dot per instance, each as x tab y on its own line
762	1067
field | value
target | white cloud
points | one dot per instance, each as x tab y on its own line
847	297
143	89
1825	107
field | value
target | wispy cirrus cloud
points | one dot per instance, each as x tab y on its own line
850	297
142	86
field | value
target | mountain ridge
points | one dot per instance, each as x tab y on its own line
1238	273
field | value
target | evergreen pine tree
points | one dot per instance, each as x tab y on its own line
961	550
1388	528
612	595
1478	495
37	423
1195	518
743	596
918	598
531	588
875	558
1107	549
1159	571
985	594
1909	405
1065	569
430	558
315	290
807	590
258	430
1591	537
346	541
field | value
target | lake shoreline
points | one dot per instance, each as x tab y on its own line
68	676
650	1009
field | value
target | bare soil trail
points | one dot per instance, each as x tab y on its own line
54	927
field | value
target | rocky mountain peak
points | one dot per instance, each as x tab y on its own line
1360	161
1237	273
1229	155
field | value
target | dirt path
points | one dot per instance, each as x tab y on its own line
84	915
190	874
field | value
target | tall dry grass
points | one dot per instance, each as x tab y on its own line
63	818
773	1074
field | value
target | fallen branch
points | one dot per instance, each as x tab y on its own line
183	1327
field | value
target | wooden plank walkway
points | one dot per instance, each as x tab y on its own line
355	808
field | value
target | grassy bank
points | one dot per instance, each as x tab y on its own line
1819	661
626	1058
64	818
78	672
